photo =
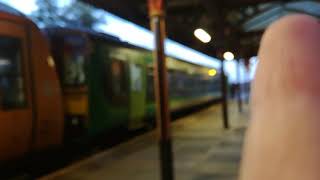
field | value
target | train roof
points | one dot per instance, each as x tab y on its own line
93	34
7	9
101	36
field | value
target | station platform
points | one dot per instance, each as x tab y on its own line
202	150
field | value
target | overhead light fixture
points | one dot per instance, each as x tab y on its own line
202	35
229	56
212	72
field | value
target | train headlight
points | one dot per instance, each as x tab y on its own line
50	62
212	72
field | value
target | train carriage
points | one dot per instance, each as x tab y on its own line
112	91
31	116
108	83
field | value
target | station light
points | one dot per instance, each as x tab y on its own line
202	35
4	62
212	72
229	56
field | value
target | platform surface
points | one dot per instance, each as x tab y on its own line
202	151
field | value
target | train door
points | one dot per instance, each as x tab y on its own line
137	95
15	91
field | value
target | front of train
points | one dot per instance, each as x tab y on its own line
70	51
31	117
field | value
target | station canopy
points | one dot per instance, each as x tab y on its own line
277	10
235	25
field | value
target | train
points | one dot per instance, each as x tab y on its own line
61	84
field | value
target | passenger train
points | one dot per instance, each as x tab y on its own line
64	84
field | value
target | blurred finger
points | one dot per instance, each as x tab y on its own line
283	139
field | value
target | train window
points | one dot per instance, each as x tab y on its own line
150	85
74	69
171	83
12	90
136	77
118	78
75	51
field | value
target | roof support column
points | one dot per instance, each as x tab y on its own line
239	85
157	21
224	90
216	10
